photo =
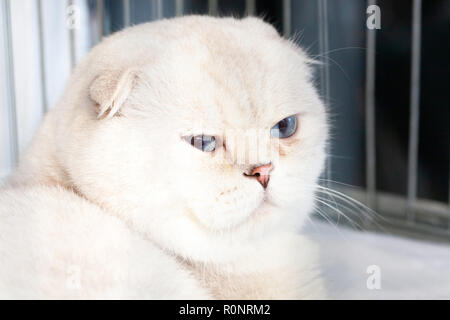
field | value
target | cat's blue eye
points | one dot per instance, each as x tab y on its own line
285	128
202	142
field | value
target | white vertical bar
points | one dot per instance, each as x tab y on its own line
126	13
325	71
56	48
370	116
179	8
6	163
250	7
414	109
27	75
42	59
11	90
213	7
287	18
84	30
72	46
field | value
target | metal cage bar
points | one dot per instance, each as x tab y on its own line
72	47
159	9
11	90
448	225
370	116
42	58
179	7
413	145
250	7
213	7
100	19
324	71
287	21
126	13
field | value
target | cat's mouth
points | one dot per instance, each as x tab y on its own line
263	210
263	207
267	197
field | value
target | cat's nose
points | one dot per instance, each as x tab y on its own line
262	174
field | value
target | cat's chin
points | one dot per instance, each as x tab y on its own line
264	212
186	235
266	209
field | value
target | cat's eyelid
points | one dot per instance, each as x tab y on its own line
197	133
297	115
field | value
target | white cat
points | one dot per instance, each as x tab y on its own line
180	163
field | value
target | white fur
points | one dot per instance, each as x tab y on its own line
56	245
115	140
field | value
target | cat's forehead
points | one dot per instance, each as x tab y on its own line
225	72
233	84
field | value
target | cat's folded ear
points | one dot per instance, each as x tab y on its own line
110	90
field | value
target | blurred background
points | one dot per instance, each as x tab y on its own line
387	91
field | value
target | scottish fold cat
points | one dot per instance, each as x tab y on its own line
179	163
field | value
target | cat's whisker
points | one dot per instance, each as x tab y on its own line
339	66
322	214
353	206
353	223
351	210
339	49
337	182
355	210
349	200
359	209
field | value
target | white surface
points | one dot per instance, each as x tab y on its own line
410	269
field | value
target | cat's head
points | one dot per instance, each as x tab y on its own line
197	130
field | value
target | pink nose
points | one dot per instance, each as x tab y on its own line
262	174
